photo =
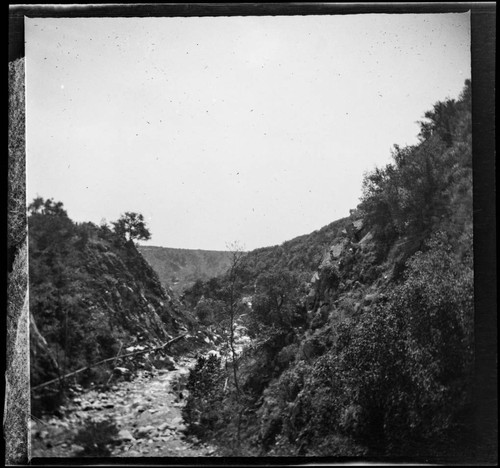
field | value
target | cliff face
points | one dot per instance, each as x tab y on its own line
92	294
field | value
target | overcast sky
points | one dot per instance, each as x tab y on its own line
255	129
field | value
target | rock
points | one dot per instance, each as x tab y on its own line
143	430
121	371
76	448
108	405
163	426
370	298
169	364
125	435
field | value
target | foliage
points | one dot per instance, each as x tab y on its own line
213	289
96	438
399	379
301	255
374	367
90	295
131	226
427	184
276	301
210	311
203	409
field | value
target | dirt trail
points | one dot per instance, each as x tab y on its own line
147	411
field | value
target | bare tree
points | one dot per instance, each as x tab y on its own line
237	255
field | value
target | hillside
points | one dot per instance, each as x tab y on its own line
180	268
301	254
356	340
92	295
362	333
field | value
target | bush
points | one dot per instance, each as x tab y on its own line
96	438
427	184
397	379
203	411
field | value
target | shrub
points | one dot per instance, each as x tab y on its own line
96	438
205	385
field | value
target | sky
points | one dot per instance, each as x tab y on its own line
223	129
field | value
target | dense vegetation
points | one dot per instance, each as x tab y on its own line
92	295
361	333
300	255
366	349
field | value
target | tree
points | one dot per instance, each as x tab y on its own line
232	299
426	183
132	226
46	207
276	301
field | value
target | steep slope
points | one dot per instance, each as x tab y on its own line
300	255
180	268
303	253
92	295
372	354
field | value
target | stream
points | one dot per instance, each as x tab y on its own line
147	411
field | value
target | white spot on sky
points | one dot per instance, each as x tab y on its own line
303	134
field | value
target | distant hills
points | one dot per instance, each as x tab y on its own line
178	269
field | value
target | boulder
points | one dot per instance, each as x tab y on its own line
125	435
121	371
177	421
144	430
163	426
169	364
76	449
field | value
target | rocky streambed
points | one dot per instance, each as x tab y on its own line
147	412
